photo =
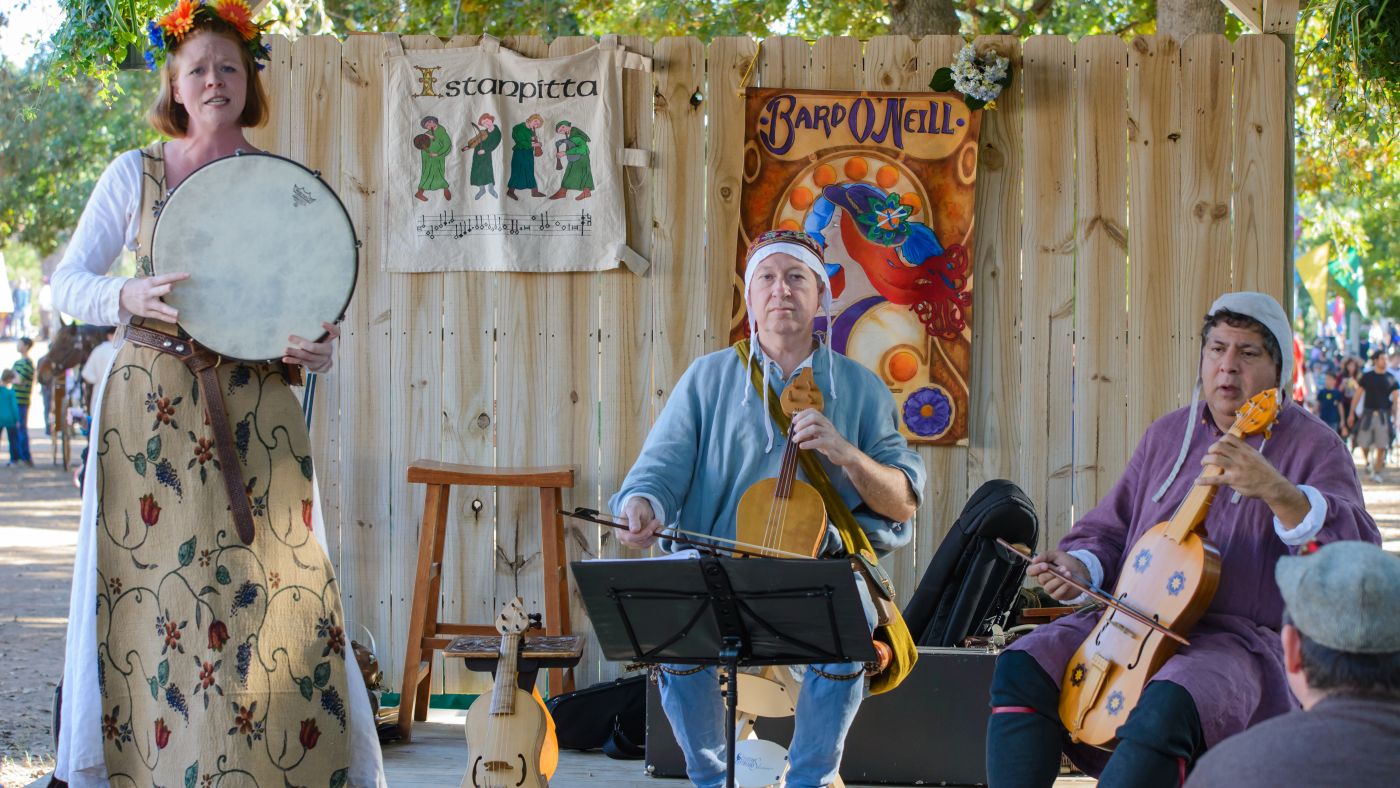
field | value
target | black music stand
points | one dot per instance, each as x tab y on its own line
726	611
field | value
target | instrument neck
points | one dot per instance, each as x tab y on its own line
1191	514
503	693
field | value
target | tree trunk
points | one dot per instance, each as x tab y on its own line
1181	19
922	17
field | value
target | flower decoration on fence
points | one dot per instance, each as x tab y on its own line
978	76
166	32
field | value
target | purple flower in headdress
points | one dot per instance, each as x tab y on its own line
928	412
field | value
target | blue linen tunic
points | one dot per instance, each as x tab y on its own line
708	445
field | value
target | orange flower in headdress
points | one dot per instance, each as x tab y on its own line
237	14
179	21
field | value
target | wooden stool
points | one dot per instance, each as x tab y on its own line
425	633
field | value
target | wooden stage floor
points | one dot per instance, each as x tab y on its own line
437	759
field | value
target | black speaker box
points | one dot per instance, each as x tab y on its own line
930	730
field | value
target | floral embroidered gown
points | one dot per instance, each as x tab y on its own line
220	664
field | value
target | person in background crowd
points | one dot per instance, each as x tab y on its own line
1375	402
24	387
95	366
1349	381
21	317
1341	648
1330	404
46	327
9	414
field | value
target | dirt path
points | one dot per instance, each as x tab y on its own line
39	510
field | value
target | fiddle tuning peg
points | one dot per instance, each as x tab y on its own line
536	621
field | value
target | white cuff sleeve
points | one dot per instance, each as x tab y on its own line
655	505
1311	524
1091	563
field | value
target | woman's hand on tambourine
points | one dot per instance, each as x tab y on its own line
141	296
315	356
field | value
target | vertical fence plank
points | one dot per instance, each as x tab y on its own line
1101	277
946	489
1153	201
1203	260
891	63
315	142
625	382
1258	253
994	432
573	378
415	363
367	397
525	392
729	59
679	274
467	426
276	78
837	63
1047	278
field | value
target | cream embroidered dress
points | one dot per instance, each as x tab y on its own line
218	664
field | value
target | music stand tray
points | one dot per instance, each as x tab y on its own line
726	611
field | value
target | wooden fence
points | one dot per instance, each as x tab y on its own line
1120	188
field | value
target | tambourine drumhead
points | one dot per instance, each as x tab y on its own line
270	252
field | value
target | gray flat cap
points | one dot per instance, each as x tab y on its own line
1344	596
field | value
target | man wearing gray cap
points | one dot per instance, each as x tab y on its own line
1293	487
1341	647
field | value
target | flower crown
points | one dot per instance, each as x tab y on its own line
167	32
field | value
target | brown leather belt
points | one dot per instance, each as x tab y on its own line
204	364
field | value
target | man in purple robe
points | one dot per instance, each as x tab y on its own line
1281	492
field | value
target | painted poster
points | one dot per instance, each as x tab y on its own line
500	162
885	182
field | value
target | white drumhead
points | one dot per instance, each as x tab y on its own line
270	252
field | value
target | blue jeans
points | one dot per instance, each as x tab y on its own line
825	708
19	449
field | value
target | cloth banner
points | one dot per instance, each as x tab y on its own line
1346	269
1312	271
500	162
885	182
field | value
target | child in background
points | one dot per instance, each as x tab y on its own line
1331	401
9	414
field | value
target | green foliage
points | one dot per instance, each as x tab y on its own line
1354	46
96	37
1347	155
55	143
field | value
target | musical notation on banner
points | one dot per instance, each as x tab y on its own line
451	225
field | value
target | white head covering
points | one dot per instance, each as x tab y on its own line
806	249
1261	307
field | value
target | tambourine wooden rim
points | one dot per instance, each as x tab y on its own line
355	242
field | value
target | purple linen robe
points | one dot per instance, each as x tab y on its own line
1234	665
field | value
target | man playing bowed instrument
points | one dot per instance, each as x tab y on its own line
1297	486
715	438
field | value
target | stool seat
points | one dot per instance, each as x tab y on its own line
566	650
425	633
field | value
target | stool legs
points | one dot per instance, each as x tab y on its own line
422	622
556	580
